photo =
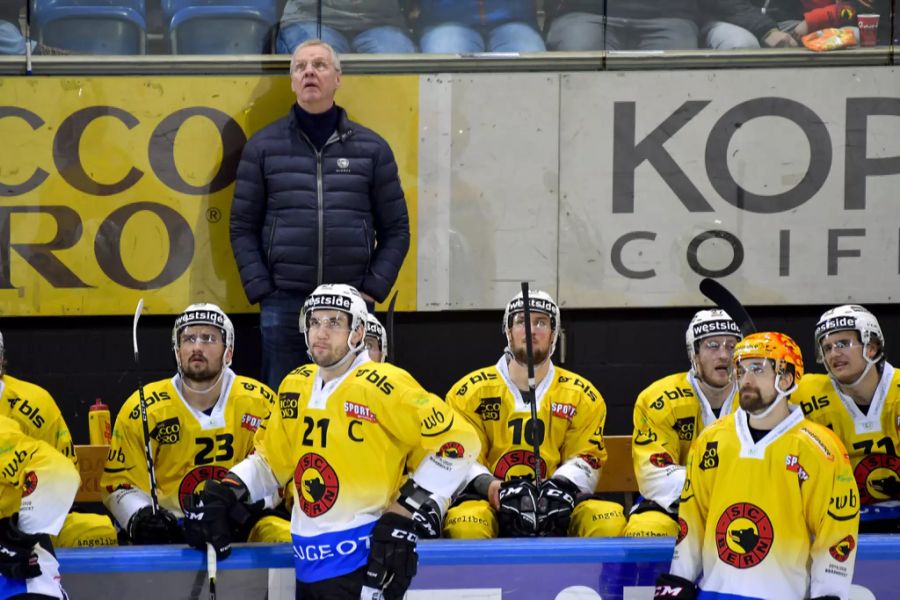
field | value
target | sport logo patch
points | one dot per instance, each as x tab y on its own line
710	458
190	484
317	485
744	535
561	410
452	450
359	411
289	403
661	460
167	431
792	463
685	428
251	422
876	475
841	551
489	409
31	482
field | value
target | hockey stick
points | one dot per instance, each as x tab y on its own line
211	566
725	300
389	326
529	359
148	453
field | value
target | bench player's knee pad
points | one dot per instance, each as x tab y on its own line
651	523
271	529
86	530
472	519
597	518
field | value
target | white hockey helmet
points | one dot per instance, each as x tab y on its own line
204	313
341	297
850	317
539	301
375	329
708	322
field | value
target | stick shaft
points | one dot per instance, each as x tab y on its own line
148	451
529	361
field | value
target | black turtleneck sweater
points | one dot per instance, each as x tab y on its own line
318	127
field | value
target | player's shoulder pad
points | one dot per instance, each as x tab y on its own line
822	439
157	396
385	378
479	378
27	390
570	380
670	387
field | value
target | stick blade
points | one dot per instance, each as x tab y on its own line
137	315
727	301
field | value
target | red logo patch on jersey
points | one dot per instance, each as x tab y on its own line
841	551
744	535
873	475
31	481
518	463
251	422
451	450
682	530
561	410
792	463
190	484
591	460
317	485
661	460
359	411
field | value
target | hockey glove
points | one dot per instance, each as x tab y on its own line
18	559
555	505
673	587
392	559
206	518
146	528
889	486
428	520
518	508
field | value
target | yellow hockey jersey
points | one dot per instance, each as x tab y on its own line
36	411
36	481
872	440
668	415
774	519
189	447
571	417
343	446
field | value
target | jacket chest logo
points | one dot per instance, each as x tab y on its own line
343	165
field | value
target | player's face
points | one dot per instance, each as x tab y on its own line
540	337
328	331
714	359
756	383
201	351
374	348
843	354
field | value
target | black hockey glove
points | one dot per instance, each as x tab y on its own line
555	505
889	486
673	587
428	520
206	517
518	508
393	560
18	559
146	528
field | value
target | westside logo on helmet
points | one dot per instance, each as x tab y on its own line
836	323
329	300
725	326
200	316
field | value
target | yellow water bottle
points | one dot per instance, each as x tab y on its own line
99	424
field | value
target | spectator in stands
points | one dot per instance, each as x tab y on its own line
454	27
371	27
859	399
740	24
11	39
39	417
201	422
317	199
501	497
671	413
769	508
577	25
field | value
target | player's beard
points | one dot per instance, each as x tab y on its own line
521	356
330	357
751	400
201	372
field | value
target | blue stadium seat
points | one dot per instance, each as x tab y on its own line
91	26
219	26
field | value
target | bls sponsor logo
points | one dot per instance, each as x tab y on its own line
167	431
251	422
792	463
710	458
586	388
378	380
743	535
814	403
685	428
289	403
489	409
317	484
33	413
841	551
473	379
148	402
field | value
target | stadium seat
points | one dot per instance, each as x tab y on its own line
219	26
91	26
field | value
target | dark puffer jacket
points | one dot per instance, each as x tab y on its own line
300	218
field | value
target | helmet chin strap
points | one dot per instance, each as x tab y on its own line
717	388
870	362
226	362
352	354
779	396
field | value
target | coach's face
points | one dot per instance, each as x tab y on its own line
314	78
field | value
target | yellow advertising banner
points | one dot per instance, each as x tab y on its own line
117	188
